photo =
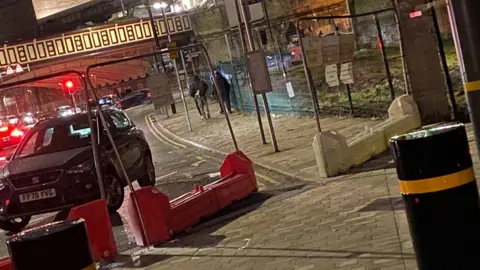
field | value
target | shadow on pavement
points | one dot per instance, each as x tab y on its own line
202	235
380	162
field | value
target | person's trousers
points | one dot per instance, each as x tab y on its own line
202	105
226	101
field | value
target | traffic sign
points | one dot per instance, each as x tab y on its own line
18	69
10	70
172	54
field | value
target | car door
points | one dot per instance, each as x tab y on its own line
127	144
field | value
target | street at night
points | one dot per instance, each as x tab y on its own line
178	168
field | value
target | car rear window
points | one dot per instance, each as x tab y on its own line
58	138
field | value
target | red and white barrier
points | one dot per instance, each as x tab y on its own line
237	182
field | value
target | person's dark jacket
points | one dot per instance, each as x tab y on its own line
198	85
223	84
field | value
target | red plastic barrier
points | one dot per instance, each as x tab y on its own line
155	210
6	264
188	209
238	163
99	228
238	179
233	188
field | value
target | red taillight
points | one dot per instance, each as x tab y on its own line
3	129
149	95
16	133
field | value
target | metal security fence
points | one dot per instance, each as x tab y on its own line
353	64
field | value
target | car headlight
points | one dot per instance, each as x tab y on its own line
81	168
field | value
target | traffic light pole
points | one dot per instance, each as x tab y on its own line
465	16
72	95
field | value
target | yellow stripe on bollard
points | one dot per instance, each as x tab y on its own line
90	267
437	183
472	86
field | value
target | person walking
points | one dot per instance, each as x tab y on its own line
224	91
198	91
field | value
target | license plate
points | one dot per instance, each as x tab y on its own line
38	195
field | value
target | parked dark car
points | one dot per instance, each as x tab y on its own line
109	102
53	169
137	98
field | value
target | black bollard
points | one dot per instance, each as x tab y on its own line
438	186
56	246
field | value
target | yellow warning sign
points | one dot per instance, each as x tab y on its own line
172	54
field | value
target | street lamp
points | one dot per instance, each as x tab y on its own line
161	5
94	78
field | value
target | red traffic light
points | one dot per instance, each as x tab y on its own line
69	84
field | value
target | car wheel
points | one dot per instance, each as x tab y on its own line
114	192
14	225
149	178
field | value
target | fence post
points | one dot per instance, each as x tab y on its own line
381	44
443	60
349	94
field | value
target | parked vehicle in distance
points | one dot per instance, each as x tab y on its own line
65	111
274	61
109	102
40	116
13	120
10	135
52	169
137	98
28	119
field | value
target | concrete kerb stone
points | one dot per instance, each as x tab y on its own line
256	163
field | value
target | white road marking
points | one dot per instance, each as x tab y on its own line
196	164
165	176
215	174
246	244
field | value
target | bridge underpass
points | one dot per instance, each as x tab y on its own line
79	49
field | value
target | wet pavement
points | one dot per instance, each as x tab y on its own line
178	168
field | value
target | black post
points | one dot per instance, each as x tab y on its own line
67	242
381	44
443	60
349	94
465	13
438	186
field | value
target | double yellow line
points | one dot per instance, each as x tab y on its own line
161	137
